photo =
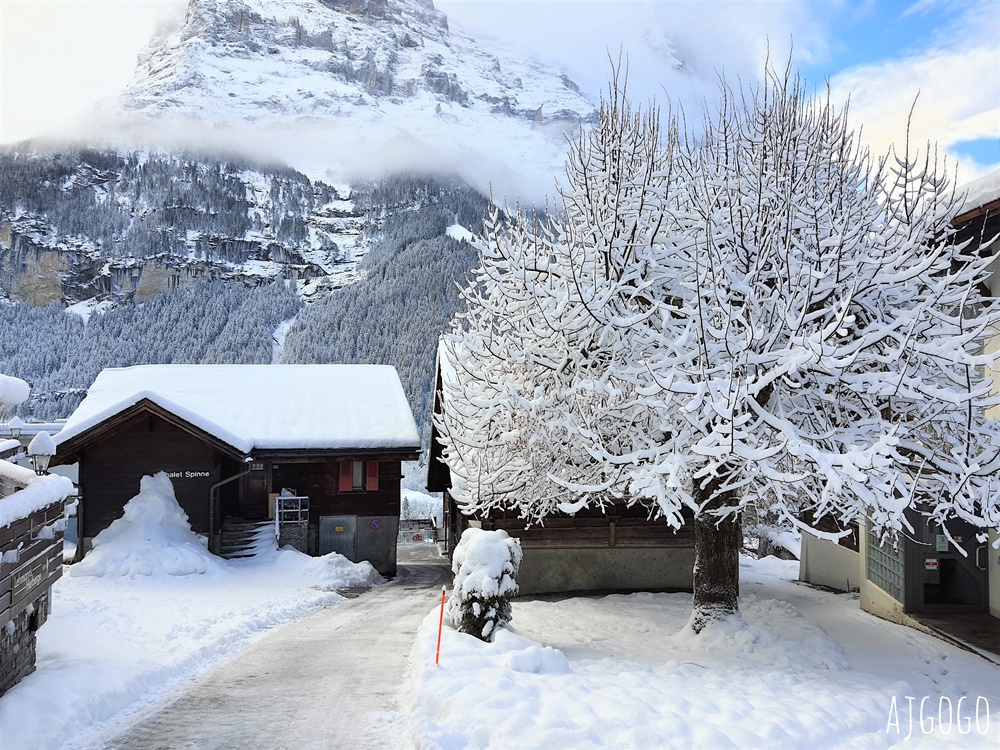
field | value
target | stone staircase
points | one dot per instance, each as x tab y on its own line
246	538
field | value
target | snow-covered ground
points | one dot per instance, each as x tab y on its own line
128	626
809	669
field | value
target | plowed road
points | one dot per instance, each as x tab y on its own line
328	681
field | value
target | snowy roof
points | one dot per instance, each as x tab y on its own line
980	192
263	407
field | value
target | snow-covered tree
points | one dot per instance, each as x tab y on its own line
756	313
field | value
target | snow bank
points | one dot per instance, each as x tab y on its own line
807	669
152	538
116	644
326	573
782	538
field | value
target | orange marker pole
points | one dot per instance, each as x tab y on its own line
437	656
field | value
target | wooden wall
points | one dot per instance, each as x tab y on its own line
618	526
111	469
319	482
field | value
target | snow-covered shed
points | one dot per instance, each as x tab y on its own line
926	575
619	548
239	441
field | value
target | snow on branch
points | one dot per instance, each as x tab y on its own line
761	313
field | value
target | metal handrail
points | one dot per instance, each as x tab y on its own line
291	509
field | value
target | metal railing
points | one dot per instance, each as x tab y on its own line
289	509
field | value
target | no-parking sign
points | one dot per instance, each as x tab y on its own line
376	524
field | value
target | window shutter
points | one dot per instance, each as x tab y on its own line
372	482
346	476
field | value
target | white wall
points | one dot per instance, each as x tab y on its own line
829	564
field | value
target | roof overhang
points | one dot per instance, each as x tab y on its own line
67	451
411	453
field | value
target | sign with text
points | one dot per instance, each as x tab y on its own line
189	474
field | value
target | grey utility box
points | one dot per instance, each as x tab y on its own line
338	534
371	538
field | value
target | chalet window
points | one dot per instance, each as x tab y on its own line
358	476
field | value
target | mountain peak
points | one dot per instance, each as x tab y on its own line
267	61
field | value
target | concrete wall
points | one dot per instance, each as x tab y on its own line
827	563
546	571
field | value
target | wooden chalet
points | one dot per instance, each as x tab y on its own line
318	446
617	549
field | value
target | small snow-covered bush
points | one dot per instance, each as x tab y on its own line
485	566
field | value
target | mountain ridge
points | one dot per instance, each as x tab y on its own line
263	61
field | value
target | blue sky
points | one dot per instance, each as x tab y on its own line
58	57
881	54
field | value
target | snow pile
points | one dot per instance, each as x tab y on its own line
152	538
485	565
326	573
13	391
777	537
807	669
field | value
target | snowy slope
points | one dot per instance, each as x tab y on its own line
390	71
263	60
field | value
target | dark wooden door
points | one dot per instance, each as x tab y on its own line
255	495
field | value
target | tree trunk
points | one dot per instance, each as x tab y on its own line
716	556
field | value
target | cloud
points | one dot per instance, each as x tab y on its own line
58	57
677	48
955	83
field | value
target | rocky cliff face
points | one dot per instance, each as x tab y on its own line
153	223
267	61
39	273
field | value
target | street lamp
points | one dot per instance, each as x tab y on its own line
41	450
15	425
